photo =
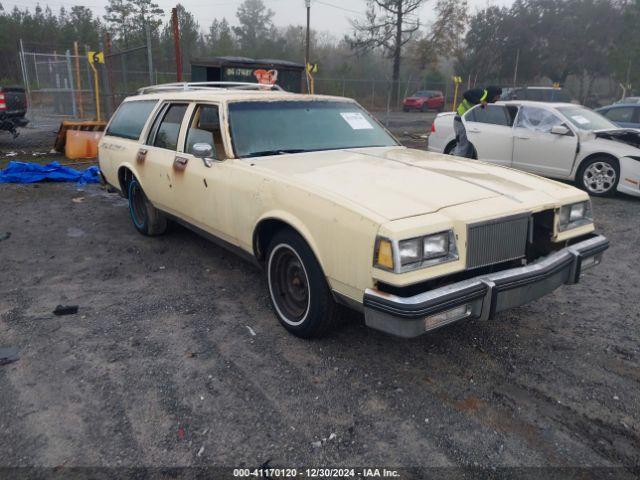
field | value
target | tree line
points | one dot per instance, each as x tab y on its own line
532	41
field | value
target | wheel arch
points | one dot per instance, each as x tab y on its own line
268	225
125	173
449	147
592	156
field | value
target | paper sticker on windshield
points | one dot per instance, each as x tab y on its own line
356	120
580	119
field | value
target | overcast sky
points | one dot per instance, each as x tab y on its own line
329	15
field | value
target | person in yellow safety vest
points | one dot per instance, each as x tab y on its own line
471	98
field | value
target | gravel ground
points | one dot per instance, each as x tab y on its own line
160	365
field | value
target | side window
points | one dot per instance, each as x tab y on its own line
166	130
130	118
537	119
620	114
205	128
492	114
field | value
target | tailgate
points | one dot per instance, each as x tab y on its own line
14	98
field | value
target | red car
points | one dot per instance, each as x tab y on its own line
424	100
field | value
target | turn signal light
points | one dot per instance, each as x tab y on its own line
384	254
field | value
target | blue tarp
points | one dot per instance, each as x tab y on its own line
24	172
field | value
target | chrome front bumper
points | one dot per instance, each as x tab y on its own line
482	296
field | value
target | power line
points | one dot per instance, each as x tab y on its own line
338	7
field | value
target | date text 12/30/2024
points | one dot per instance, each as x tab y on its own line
315	473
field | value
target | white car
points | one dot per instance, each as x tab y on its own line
557	140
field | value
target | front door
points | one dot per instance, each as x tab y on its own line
201	187
538	150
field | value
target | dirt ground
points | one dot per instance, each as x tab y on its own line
160	365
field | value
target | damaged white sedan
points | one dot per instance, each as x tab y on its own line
557	140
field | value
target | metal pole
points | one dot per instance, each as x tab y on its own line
515	70
149	55
96	90
373	94
25	73
78	79
108	64
307	42
176	43
72	88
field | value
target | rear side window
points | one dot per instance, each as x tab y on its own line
620	114
130	118
492	114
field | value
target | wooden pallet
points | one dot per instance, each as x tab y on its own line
90	126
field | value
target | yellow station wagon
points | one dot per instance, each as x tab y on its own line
318	193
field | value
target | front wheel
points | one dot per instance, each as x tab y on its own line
298	288
599	176
145	217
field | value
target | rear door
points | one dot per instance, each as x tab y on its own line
489	131
538	150
156	158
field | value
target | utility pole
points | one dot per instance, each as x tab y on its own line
149	55
308	41
176	43
515	70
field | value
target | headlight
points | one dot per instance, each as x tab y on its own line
574	215
405	255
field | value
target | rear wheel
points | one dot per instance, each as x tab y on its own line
145	217
298	288
599	176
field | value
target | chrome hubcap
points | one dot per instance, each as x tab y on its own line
599	177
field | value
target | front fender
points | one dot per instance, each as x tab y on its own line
295	223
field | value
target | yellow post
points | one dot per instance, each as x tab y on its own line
78	80
456	81
96	89
311	68
96	57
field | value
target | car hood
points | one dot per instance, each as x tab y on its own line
626	136
398	182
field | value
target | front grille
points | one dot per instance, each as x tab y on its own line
497	241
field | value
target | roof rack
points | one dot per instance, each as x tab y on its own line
163	87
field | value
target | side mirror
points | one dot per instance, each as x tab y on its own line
203	151
560	130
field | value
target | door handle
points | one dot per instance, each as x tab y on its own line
141	155
523	138
474	130
180	163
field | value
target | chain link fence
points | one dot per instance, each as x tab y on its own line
378	95
57	83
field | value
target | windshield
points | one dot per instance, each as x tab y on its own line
272	128
586	119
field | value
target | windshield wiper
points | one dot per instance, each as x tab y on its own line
265	153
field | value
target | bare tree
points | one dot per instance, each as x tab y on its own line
389	24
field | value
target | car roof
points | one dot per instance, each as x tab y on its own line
230	94
618	105
533	103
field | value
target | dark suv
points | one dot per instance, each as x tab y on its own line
13	108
